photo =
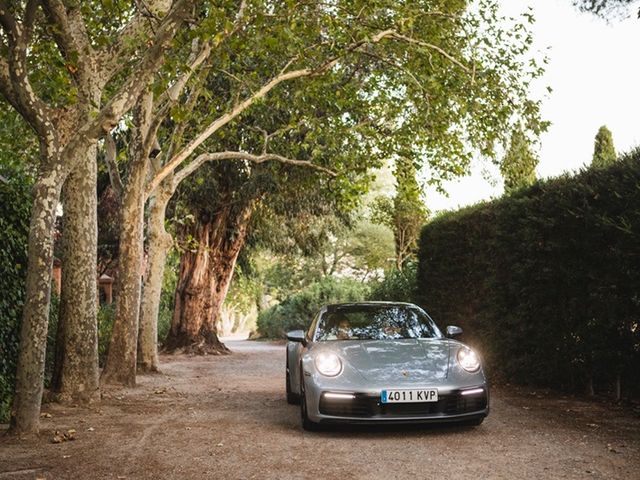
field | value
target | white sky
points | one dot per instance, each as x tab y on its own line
594	71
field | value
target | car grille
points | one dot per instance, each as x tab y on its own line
366	406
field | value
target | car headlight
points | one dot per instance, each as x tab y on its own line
468	360
328	364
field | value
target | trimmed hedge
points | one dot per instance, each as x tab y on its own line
546	281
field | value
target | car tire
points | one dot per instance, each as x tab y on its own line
307	424
292	398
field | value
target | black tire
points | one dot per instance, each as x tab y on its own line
307	424
292	398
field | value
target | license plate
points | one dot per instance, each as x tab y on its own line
409	396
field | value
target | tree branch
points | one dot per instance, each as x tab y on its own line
196	59
110	155
430	46
172	94
20	93
139	79
224	119
114	58
71	33
230	155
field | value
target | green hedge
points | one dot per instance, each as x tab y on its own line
545	281
297	311
15	203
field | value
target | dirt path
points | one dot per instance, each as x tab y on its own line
226	418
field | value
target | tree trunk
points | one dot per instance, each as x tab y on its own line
205	276
160	241
25	414
76	376
120	367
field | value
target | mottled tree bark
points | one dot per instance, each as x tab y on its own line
159	243
120	367
76	369
66	135
25	413
205	276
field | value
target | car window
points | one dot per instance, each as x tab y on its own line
312	327
375	322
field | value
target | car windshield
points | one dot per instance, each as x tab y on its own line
375	322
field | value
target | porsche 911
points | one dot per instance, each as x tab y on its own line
374	362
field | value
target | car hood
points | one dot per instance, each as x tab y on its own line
397	361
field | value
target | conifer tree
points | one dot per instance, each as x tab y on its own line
604	153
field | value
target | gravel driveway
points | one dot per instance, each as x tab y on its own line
226	418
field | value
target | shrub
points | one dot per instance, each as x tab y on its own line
397	286
545	280
297	311
106	316
167	295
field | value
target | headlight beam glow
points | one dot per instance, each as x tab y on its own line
468	360
328	364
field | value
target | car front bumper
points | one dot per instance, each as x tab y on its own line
342	406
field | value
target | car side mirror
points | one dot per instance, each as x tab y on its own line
453	331
296	336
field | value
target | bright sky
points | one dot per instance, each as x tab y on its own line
594	71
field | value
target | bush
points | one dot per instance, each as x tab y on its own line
397	286
545	280
168	295
297	311
106	316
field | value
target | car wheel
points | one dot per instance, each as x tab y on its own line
292	398
307	424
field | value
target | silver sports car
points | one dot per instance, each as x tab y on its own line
383	362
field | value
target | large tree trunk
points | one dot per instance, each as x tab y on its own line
205	275
160	241
25	414
120	367
76	371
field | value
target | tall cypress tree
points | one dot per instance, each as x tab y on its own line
604	153
518	167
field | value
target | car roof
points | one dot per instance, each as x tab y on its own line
369	303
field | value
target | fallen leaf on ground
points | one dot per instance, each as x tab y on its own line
59	437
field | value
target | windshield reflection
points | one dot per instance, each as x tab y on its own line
375	322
